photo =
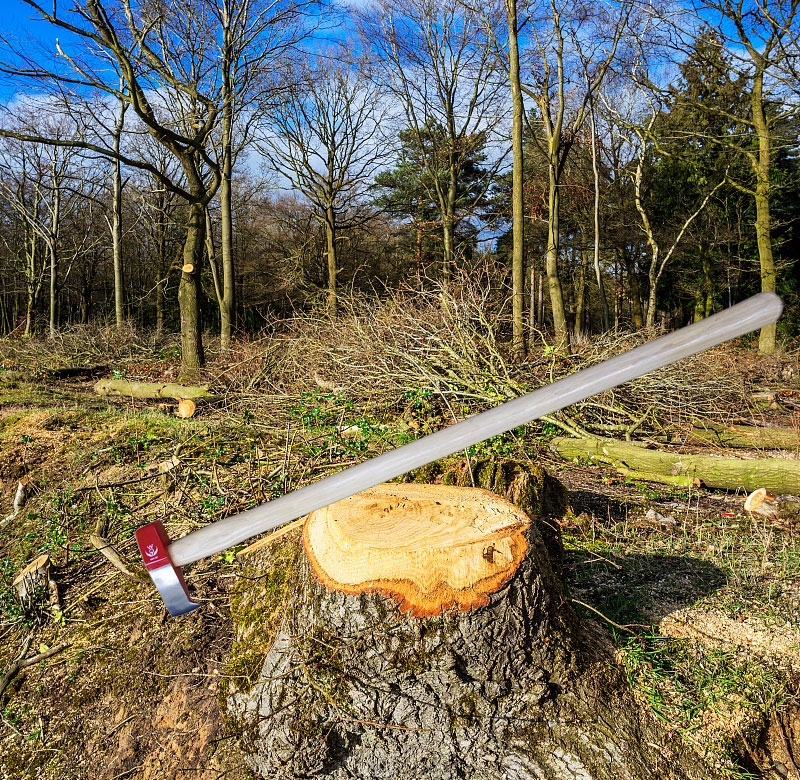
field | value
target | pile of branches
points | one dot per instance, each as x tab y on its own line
88	345
453	343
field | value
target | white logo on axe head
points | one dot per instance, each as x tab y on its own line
151	551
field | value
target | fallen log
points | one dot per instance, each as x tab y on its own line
127	388
778	475
423	633
745	436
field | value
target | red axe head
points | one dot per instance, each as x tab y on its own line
154	545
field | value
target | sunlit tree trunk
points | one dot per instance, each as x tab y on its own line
763	224
189	292
517	200
116	222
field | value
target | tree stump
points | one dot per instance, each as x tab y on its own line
425	634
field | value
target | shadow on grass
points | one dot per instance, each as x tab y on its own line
639	589
604	508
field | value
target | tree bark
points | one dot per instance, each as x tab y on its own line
767	335
551	265
517	195
227	303
637	314
598	274
124	387
580	298
355	687
189	294
778	475
116	222
53	238
745	436
330	235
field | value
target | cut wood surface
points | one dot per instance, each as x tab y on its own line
778	475
746	436
125	387
427	546
186	407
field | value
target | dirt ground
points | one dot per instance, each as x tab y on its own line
701	599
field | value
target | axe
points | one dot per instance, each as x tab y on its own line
163	558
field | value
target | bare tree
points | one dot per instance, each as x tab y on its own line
46	186
166	56
571	52
323	137
437	60
254	37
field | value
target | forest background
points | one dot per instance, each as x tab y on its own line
211	167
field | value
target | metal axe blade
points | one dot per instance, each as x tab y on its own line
754	313
153	542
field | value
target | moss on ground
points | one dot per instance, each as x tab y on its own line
257	604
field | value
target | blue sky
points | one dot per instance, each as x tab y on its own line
15	19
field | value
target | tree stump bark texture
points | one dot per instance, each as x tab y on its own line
366	679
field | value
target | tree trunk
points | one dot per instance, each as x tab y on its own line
53	248
32	284
551	266
506	683
580	296
778	475
448	230
116	223
637	314
330	235
767	335
161	269
228	299
532	322
540	303
598	275
190	292
517	197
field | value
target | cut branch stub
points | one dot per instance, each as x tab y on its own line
428	547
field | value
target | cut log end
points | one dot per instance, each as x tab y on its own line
761	502
188	268
186	408
428	547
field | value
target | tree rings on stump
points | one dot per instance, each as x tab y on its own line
428	547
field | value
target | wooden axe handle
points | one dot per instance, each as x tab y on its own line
751	314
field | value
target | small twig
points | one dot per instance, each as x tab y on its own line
281	532
594	560
11	726
23	663
626	629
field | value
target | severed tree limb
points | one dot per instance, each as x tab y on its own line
124	387
23	663
750	437
778	475
109	552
